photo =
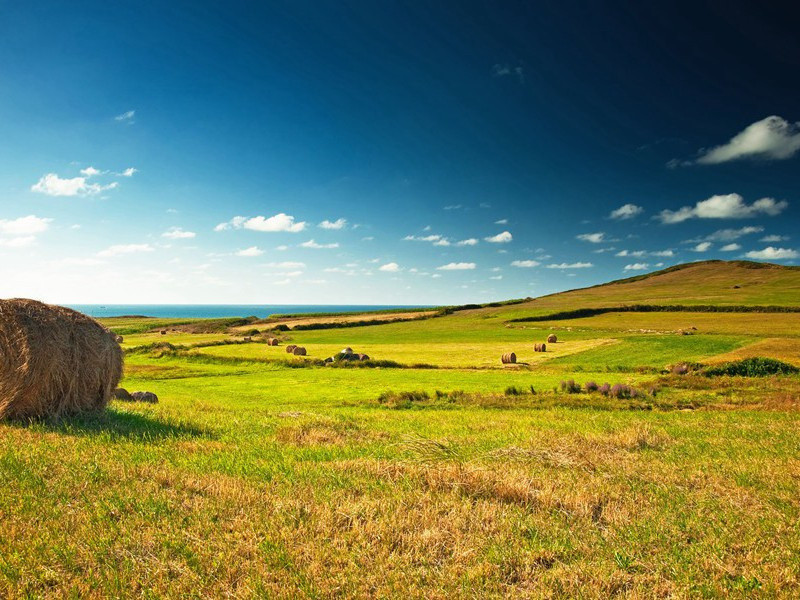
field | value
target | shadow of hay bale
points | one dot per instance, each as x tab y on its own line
117	425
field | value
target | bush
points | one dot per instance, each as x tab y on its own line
752	367
570	387
604	389
514	391
591	386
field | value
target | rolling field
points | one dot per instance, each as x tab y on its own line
263	475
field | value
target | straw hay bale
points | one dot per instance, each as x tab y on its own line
54	361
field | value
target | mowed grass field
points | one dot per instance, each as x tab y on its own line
263	475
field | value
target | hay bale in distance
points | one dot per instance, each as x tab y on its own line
347	350
149	397
272	342
163	332
247	338
362	357
290	348
299	351
122	394
508	358
54	361
552	338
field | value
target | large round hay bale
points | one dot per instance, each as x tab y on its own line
272	342
299	351
290	348
508	358
54	361
552	339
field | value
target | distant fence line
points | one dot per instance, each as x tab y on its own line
581	313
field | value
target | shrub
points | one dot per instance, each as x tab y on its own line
514	391
591	386
570	387
604	389
622	391
752	367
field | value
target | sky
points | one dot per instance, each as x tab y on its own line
384	152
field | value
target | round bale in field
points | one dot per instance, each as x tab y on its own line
54	361
363	357
508	358
299	351
290	348
272	342
552	339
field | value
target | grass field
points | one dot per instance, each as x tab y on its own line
263	475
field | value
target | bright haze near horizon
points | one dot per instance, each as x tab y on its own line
389	153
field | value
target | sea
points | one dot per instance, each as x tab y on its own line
211	311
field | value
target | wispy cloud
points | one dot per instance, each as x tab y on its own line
337	224
457	266
53	185
126	117
575	265
118	249
505	70
626	211
727	206
636	267
287	264
316	246
773	138
594	238
250	252
774	238
730	247
525	264
30	225
501	222
728	235
467	242
702	247
177	233
129	172
275	224
391	267
771	253
635	253
501	238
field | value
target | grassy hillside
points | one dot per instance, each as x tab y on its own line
264	475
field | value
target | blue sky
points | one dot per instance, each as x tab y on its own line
382	152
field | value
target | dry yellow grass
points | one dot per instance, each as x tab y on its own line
785	349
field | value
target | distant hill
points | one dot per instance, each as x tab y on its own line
711	282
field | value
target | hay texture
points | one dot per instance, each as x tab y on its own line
552	339
290	348
509	358
540	347
299	351
272	342
54	361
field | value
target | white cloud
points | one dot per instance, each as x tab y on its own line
337	224
770	253
663	253
251	251
118	249
275	224
525	264
391	267
23	226
457	266
636	267
453	207
126	116
17	242
728	235
467	242
501	222
771	138
730	247
427	238
128	172
702	247
774	238
496	277
53	185
288	264
177	233
626	211
636	253
501	238
594	238
727	206
282	247
89	171
442	242
575	265
316	246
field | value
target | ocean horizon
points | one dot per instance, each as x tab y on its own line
210	311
